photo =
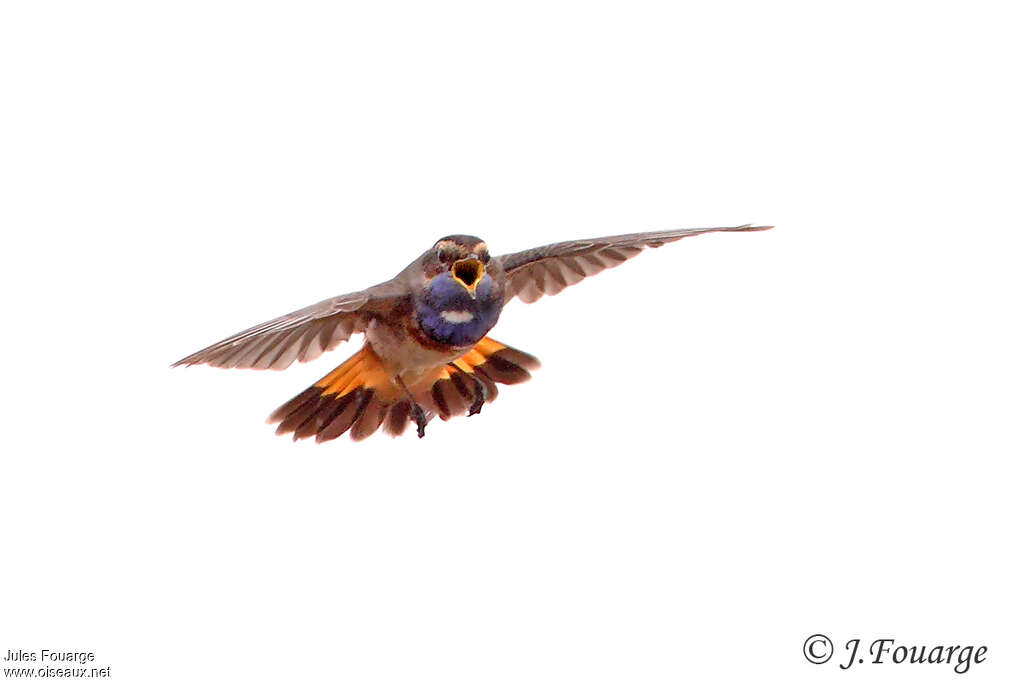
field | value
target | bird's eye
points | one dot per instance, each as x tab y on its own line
446	253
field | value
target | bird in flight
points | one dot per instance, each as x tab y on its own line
426	352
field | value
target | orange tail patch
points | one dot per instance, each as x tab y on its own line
359	395
471	380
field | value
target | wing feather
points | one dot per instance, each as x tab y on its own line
548	270
301	335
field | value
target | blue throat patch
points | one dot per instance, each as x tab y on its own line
449	315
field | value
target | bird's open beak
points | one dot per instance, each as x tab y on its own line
468	272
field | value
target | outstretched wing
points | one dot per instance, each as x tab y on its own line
301	335
548	270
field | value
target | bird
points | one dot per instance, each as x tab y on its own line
426	352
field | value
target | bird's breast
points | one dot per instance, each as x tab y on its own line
403	352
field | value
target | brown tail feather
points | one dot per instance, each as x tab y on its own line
359	395
342	416
398	418
471	380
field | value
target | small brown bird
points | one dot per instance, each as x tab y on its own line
425	352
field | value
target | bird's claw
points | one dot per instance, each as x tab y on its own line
421	420
479	396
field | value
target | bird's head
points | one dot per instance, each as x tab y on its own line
461	297
464	257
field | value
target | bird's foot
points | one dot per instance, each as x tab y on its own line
420	417
479	396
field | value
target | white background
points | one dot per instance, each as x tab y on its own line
735	441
